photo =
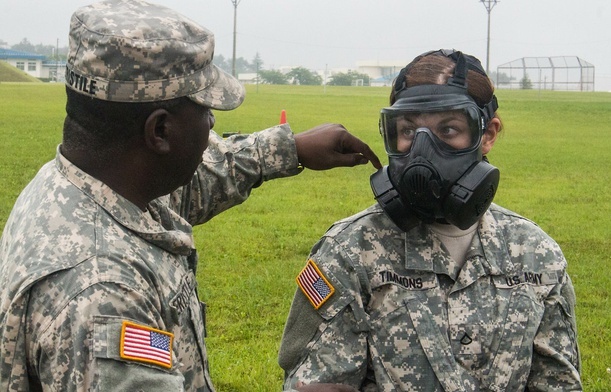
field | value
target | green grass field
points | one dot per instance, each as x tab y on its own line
554	157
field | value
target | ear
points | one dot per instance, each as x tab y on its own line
156	131
489	137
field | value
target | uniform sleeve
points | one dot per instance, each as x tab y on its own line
328	345
556	362
231	168
79	349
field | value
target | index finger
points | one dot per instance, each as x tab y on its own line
353	144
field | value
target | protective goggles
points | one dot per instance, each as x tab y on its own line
454	121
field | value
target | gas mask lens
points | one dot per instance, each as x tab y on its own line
452	130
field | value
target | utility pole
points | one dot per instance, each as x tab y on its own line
235	18
257	77
57	70
489	4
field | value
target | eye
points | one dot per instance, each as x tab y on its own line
449	131
406	129
455	134
407	133
453	126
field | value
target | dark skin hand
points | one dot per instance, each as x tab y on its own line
324	388
331	145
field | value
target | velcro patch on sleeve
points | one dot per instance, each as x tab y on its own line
314	284
144	344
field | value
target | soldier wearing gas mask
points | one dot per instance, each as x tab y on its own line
434	287
435	135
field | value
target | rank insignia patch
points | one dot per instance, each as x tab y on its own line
144	344
314	285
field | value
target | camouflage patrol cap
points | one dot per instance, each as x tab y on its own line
134	51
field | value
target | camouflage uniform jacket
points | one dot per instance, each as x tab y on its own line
402	315
78	263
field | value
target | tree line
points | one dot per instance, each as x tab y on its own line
297	75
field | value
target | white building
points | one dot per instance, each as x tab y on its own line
33	64
382	73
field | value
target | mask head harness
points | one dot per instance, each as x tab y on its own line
436	172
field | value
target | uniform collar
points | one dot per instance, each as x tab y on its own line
425	252
493	244
158	225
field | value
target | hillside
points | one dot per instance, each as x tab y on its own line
8	73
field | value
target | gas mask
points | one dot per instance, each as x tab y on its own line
433	136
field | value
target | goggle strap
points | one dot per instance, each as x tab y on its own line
490	108
459	78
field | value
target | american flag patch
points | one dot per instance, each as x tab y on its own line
145	344
314	285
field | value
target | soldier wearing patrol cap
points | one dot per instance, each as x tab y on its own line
97	260
434	287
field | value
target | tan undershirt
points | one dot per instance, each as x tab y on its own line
455	240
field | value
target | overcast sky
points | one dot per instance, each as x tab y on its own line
319	34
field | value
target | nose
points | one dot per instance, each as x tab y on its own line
212	119
421	135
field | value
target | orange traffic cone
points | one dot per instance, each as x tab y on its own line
283	117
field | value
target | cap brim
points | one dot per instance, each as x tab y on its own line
224	93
